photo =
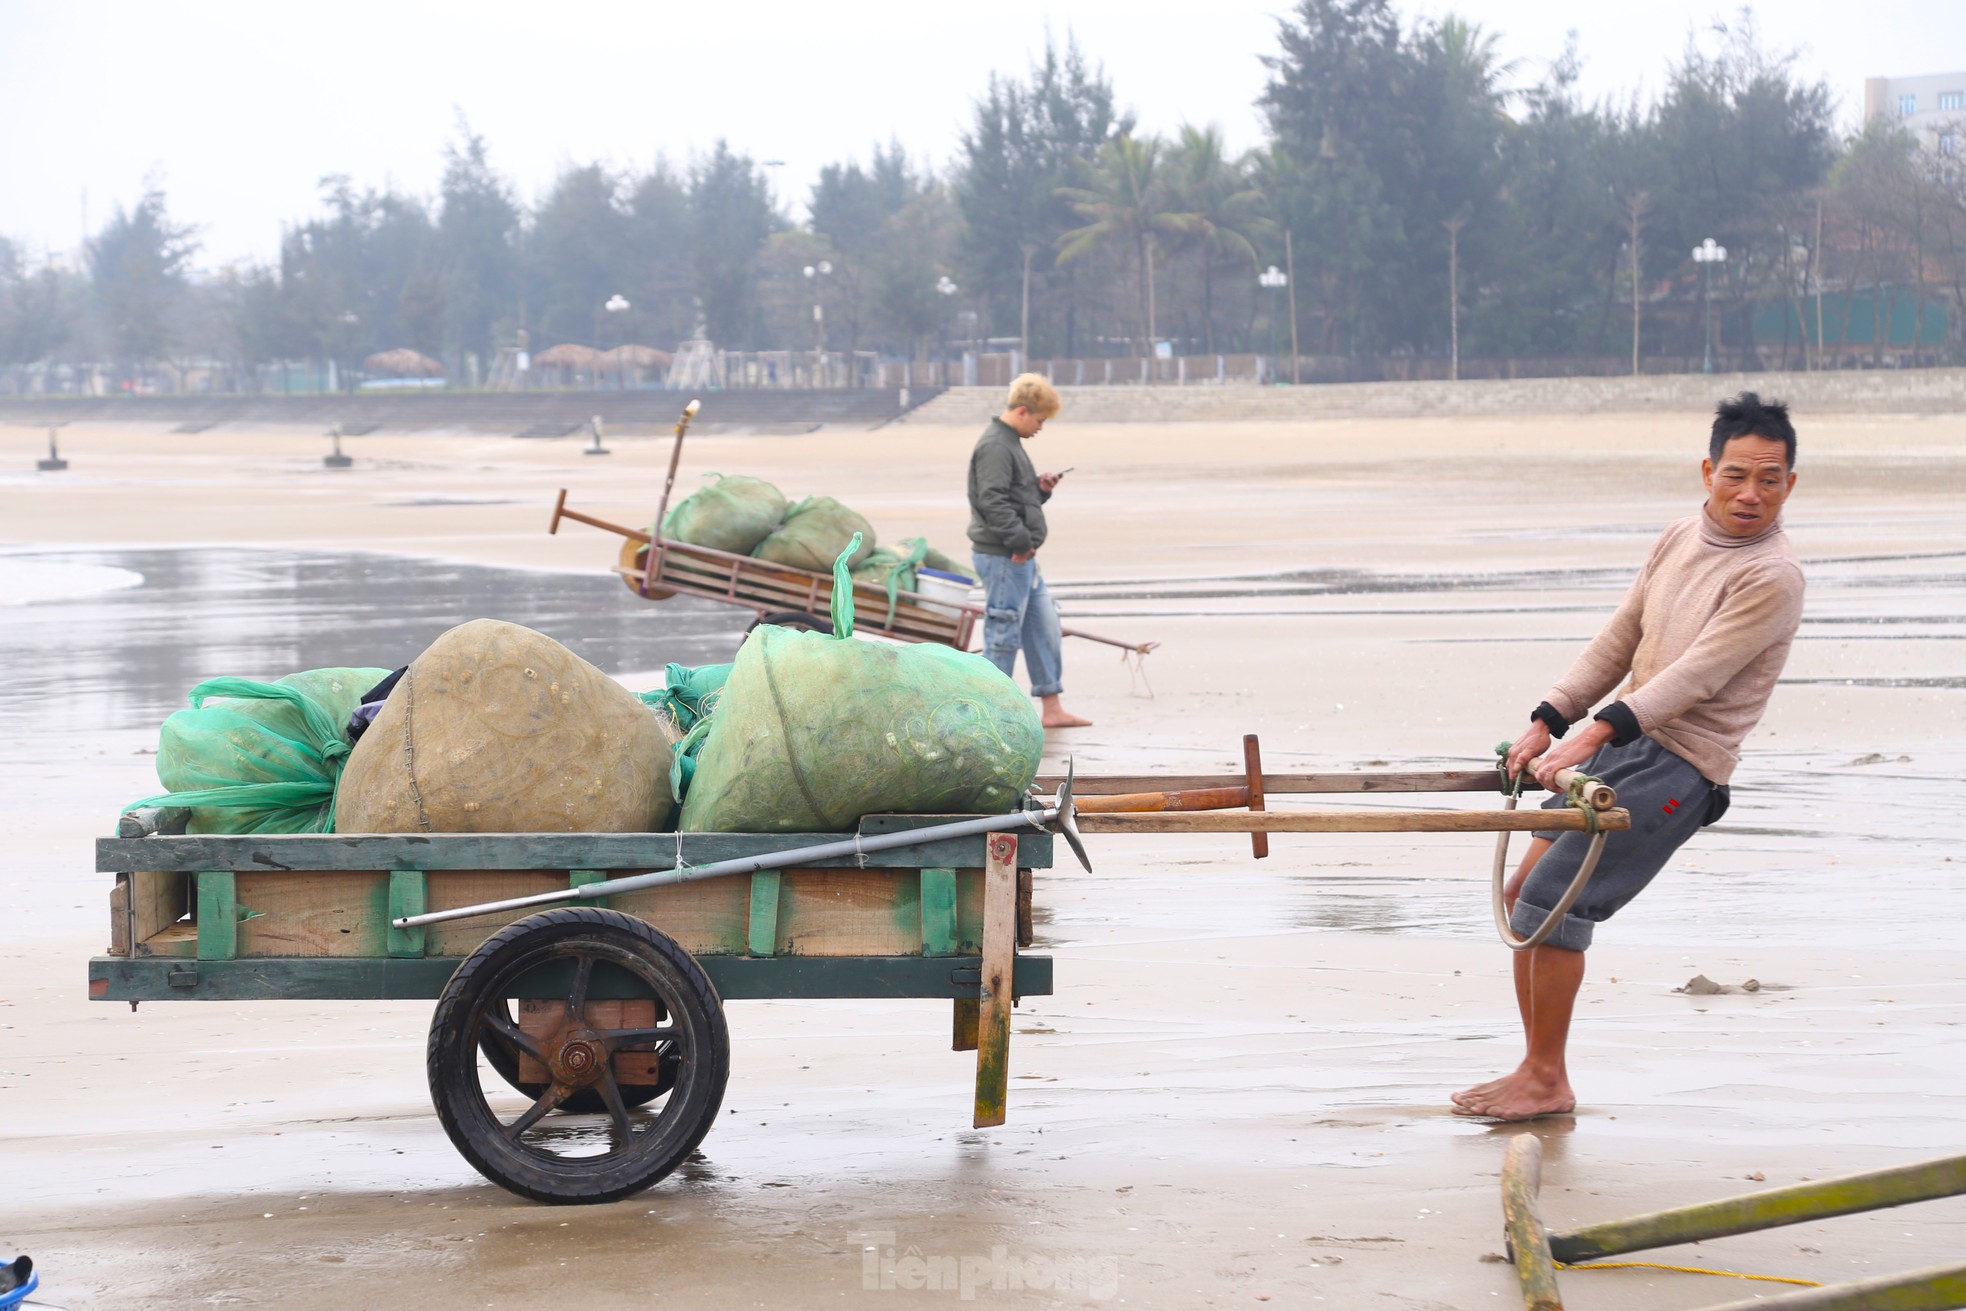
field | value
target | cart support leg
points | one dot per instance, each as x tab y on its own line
963	1038
1529	1242
999	957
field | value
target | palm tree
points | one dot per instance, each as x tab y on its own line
1127	205
1220	209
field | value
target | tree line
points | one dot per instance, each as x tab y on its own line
1393	154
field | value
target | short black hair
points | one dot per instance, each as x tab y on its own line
1747	415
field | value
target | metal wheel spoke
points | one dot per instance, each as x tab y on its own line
623	1039
617	1109
555	1094
583	974
502	1025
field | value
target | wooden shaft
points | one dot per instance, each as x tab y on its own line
559	508
1945	1177
999	959
1935	1288
1442	780
1568	819
560	512
1142	647
1529	1242
675	460
1128	803
1252	770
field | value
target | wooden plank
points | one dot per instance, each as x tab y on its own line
1252	770
359	978
871	912
407	896
938	897
446	888
1568	819
580	878
1026	928
999	952
218	915
762	939
1442	780
310	913
708	918
158	899
963	1038
119	916
176	940
621	852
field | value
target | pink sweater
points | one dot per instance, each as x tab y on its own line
1704	633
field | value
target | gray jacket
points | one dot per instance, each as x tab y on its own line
1006	514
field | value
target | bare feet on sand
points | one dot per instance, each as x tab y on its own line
1053	715
1521	1095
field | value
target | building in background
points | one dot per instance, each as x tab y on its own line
1932	107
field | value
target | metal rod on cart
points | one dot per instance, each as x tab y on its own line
1060	813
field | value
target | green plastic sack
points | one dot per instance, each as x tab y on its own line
894	570
688	699
252	757
733	514
815	730
814	532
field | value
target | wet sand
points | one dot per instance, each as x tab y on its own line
1239	1088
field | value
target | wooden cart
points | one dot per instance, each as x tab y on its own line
656	568
609	1017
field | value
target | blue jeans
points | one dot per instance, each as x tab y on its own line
1018	614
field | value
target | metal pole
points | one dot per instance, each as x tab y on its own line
1061	813
1290	285
1706	286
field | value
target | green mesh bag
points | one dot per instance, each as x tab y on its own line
732	514
815	730
814	532
688	699
252	757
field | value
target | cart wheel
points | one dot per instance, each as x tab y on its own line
583	958
793	619
504	1056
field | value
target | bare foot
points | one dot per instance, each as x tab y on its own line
1523	1095
1065	719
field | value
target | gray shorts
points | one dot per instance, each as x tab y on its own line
1668	799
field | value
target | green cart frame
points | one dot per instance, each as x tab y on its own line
607	1017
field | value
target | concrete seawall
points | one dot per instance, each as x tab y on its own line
1923	392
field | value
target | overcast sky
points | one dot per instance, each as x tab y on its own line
239	109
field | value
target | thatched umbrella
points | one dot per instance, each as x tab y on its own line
403	363
567	356
645	358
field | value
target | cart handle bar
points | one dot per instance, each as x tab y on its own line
1061	813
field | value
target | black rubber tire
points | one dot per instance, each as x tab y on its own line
504	1058
646	1152
793	619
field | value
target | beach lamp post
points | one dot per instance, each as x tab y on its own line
618	304
815	273
945	289
1276	280
1706	255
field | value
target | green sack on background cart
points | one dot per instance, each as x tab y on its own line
813	532
815	730
251	757
732	514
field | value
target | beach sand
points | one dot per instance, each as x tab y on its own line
1238	1092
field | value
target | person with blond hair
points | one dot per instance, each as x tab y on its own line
1006	528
